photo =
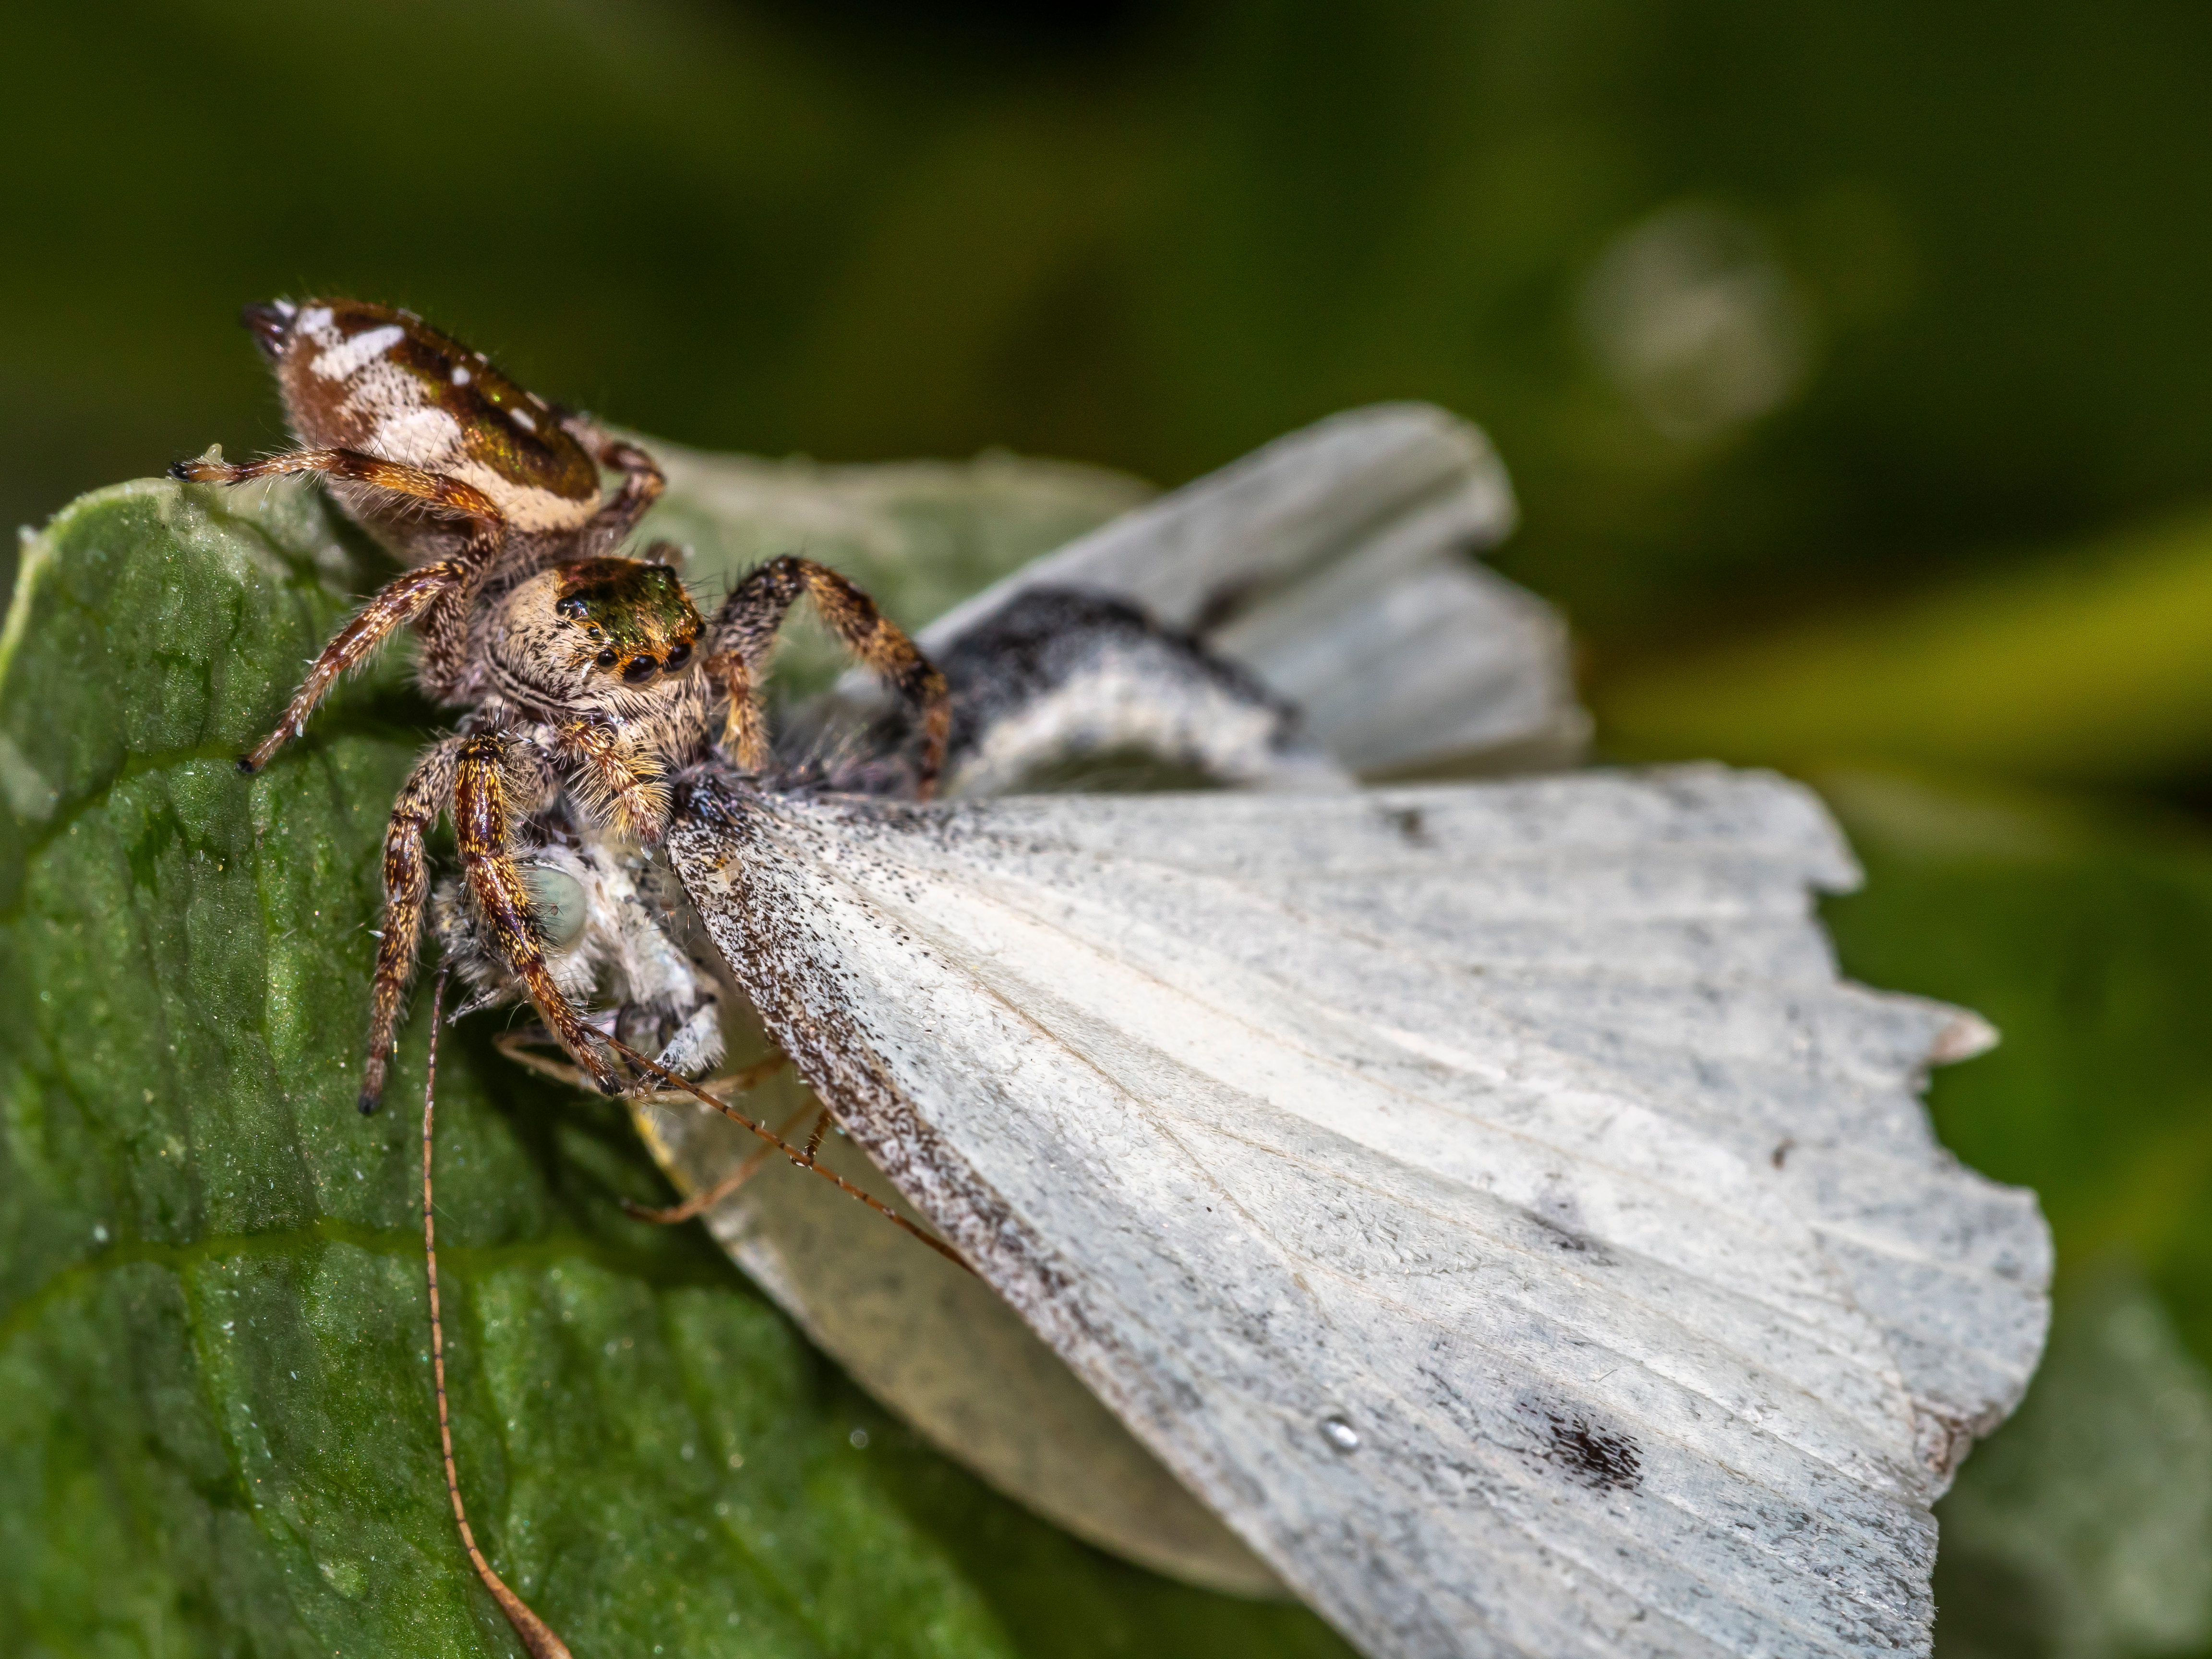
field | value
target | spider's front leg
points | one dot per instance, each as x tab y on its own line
440	592
642	481
482	823
745	627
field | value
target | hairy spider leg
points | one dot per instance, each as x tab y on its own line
481	822
745	627
537	1635
441	590
406	888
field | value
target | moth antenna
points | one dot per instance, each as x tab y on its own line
517	1046
537	1635
803	1159
700	1202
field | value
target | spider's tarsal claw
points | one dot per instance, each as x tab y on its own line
369	1101
247	766
210	468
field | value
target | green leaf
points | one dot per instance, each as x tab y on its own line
216	1417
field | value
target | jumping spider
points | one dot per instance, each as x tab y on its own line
590	679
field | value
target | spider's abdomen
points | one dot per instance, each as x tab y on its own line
382	381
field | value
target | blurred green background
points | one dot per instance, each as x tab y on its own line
1853	361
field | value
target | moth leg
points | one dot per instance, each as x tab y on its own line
673	1080
438	593
406	890
521	1046
642	480
481	822
707	1198
618	786
746	626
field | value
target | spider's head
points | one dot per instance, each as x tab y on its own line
596	636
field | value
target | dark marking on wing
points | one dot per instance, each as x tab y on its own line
1560	1238
1412	825
1563	1226
1586	1452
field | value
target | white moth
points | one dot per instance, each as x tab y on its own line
1484	1199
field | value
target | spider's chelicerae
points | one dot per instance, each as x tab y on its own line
590	678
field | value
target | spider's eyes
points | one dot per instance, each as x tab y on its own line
606	659
574	608
641	669
678	654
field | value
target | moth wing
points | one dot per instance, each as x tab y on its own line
1332	563
1400	1168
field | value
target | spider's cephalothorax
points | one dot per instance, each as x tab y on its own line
593	700
472	482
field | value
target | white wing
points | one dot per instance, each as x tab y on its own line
1332	563
1486	1199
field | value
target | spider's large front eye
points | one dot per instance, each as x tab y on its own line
556	900
678	654
640	670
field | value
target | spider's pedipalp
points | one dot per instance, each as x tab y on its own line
618	784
